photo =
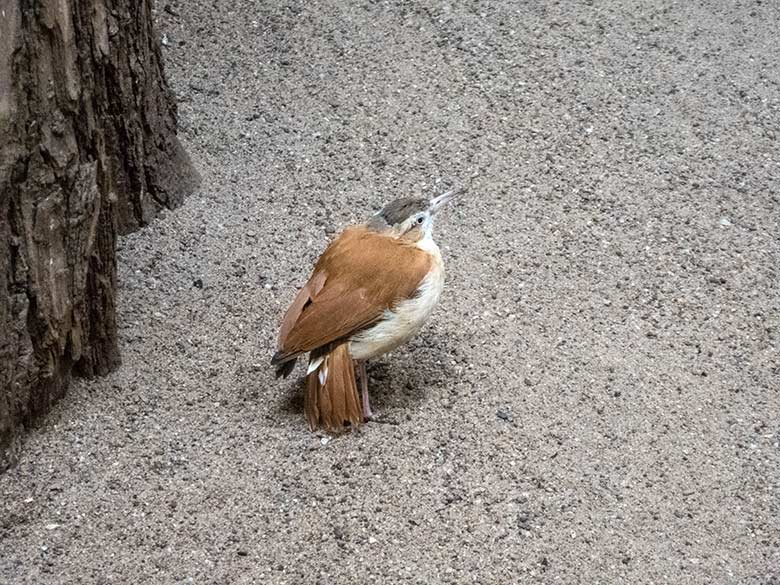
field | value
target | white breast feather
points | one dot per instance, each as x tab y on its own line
405	320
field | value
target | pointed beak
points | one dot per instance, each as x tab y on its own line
438	202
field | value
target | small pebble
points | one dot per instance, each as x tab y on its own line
505	414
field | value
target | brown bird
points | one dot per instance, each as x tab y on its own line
371	291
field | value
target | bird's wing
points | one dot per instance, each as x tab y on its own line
360	275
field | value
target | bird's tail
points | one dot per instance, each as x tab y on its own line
331	401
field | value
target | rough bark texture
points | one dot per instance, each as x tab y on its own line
88	150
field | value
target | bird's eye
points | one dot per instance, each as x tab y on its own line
420	220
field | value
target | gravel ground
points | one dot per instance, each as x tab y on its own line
596	399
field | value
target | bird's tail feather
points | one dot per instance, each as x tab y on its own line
331	401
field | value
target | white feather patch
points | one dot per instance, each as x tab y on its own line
323	373
314	364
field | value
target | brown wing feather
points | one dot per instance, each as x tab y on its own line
285	364
360	275
304	296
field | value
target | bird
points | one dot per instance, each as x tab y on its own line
370	291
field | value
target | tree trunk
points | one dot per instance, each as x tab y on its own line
88	150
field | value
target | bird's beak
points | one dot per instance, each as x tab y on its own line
440	201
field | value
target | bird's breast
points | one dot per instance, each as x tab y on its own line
403	321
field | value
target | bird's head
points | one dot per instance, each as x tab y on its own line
410	218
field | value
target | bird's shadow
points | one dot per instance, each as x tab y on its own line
292	400
399	381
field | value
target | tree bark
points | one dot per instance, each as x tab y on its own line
88	150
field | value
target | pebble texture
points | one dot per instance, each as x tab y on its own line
596	399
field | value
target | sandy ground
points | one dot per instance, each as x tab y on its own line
596	399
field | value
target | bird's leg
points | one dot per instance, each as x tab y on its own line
367	414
